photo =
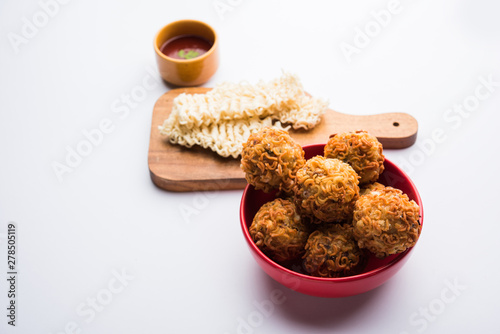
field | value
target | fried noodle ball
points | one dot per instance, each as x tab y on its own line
386	222
270	159
327	189
333	252
359	149
277	229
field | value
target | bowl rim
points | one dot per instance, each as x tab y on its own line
399	257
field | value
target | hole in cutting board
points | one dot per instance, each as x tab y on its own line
395	124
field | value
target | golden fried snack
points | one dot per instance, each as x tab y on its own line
277	229
359	149
333	252
327	189
386	222
270	159
370	187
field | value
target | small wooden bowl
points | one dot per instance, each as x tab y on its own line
187	72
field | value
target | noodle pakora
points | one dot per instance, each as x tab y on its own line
278	230
386	222
360	150
333	252
270	160
327	189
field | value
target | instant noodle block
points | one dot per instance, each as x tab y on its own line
333	265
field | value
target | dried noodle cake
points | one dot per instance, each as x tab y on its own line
277	229
359	149
223	118
332	252
270	159
386	222
327	189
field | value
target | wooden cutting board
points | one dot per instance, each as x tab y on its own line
177	168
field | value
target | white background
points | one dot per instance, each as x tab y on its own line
184	264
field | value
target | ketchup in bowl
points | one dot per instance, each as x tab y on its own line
185	47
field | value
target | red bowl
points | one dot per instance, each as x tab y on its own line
377	271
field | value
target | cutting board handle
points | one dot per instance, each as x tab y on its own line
393	130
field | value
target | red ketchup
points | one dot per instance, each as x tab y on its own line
185	47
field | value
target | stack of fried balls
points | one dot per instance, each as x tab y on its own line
329	212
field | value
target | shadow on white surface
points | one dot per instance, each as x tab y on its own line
317	312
